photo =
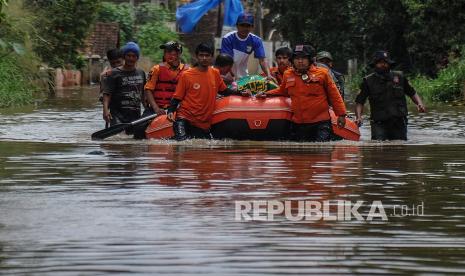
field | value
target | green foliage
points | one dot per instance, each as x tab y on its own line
130	19
418	33
122	14
18	63
146	24
448	86
353	83
150	37
15	30
435	29
2	15
147	13
347	29
62	26
16	81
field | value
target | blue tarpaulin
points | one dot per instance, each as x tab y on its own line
232	9
188	15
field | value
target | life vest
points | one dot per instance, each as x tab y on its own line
166	85
387	96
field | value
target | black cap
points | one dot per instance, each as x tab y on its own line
171	45
303	50
381	55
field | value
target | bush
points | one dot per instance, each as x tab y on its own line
62	27
353	84
122	14
18	63
147	27
147	13
16	82
150	37
448	86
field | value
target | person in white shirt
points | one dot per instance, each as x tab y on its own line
241	43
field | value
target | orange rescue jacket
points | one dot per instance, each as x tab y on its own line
310	102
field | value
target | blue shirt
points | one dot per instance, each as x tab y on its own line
240	50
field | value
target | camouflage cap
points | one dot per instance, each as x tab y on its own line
324	54
171	45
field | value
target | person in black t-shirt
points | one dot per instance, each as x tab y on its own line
386	91
123	89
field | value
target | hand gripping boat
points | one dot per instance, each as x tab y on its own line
245	118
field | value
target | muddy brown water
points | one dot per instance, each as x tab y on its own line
72	206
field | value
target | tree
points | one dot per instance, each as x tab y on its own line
382	25
417	33
347	29
145	23
436	29
122	14
62	28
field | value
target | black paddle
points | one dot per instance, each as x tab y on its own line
115	129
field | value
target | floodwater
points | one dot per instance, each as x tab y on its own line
72	206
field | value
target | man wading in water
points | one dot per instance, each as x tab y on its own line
311	89
164	77
123	89
195	96
386	89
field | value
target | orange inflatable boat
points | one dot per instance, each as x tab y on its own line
245	118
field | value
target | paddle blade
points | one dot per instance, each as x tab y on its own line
115	129
107	132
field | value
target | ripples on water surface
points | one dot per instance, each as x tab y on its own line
73	206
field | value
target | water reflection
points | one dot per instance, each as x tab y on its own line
165	208
289	172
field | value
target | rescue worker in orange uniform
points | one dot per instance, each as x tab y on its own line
283	57
195	96
164	77
311	89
